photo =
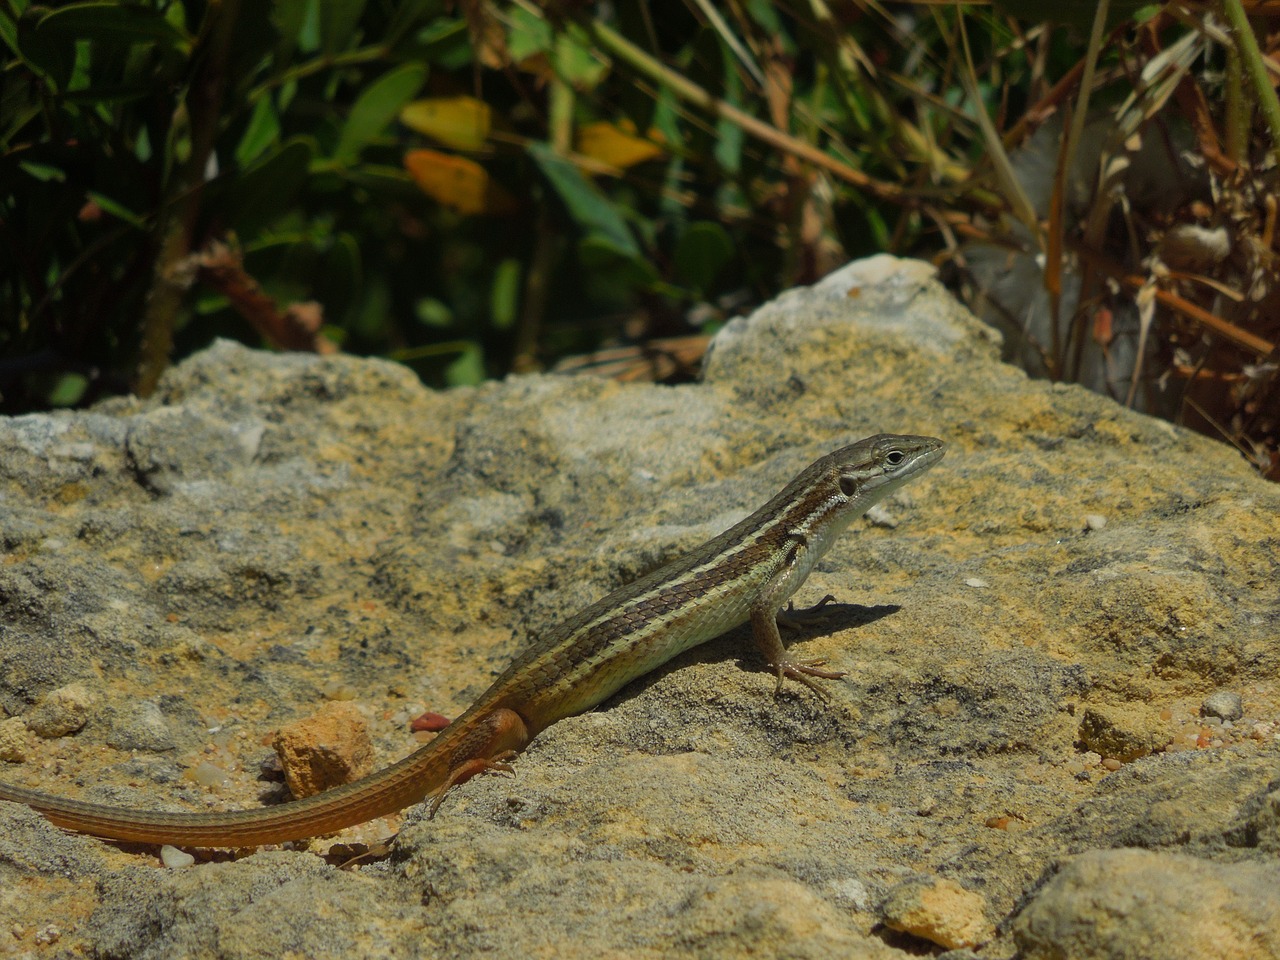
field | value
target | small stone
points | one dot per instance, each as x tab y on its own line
327	749
13	740
173	858
1223	704
141	726
853	892
339	691
880	517
938	910
1094	521
976	582
207	774
61	712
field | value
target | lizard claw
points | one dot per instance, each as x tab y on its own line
804	671
498	763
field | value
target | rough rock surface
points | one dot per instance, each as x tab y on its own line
272	532
1114	904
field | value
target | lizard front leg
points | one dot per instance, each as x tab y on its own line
764	627
490	744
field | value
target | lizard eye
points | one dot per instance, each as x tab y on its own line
894	457
848	486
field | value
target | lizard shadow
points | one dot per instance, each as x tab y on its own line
738	644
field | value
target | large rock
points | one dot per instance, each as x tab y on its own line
1117	904
271	532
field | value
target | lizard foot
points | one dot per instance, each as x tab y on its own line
804	671
498	763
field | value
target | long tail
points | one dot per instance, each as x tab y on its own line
470	738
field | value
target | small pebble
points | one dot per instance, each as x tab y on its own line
852	891
976	582
339	692
429	721
1094	521
938	910
13	740
172	857
62	711
880	517
1223	705
1111	763
207	774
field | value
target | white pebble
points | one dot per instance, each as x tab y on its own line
880	517
976	582
1094	521
172	857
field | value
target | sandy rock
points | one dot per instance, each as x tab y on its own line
141	726
940	911
268	529
1116	904
13	740
62	711
329	748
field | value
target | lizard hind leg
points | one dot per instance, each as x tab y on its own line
490	747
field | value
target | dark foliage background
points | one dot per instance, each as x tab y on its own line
476	188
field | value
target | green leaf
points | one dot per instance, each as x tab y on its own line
309	29
410	14
267	190
338	19
262	131
527	34
117	209
9	33
445	43
701	254
610	274
378	104
118	24
730	137
59	46
44	172
577	61
433	312
468	369
68	389
588	207
504	298
289	17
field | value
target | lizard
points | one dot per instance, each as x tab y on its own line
744	575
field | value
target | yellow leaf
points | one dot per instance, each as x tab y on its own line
615	147
458	122
457	183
